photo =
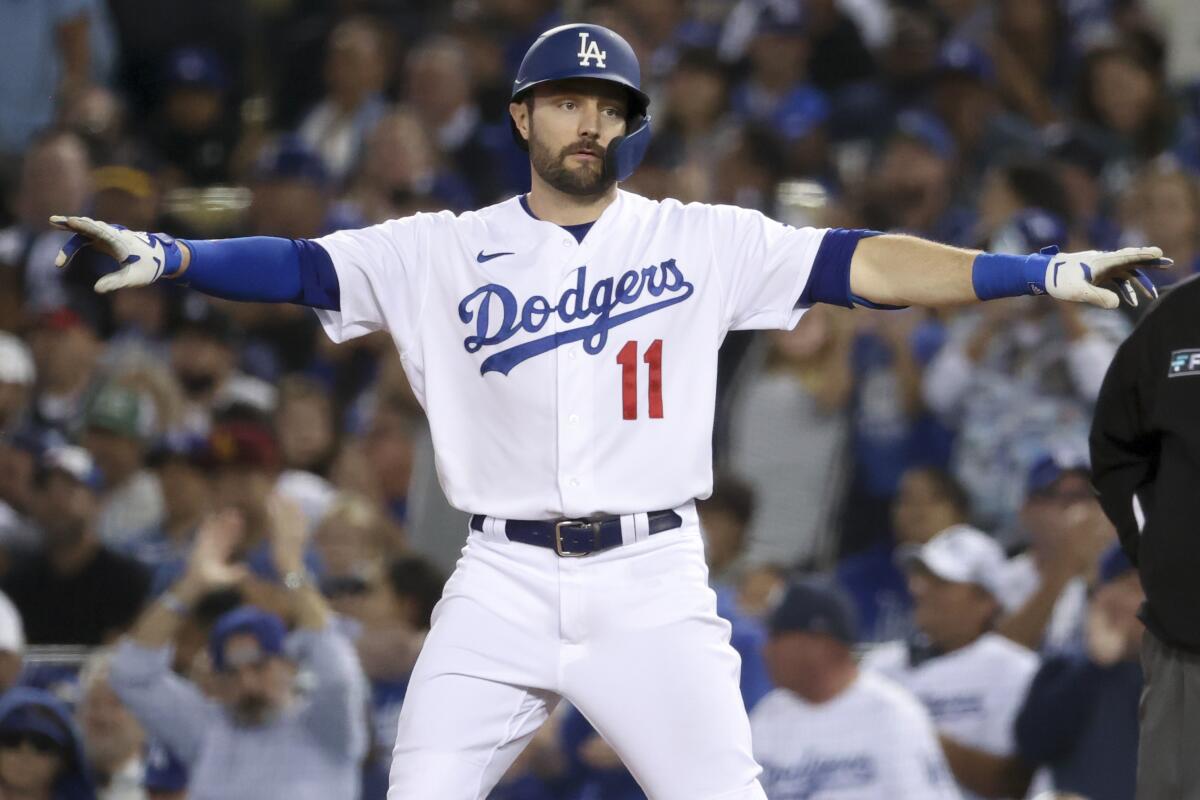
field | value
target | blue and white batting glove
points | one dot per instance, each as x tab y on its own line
130	258
1103	278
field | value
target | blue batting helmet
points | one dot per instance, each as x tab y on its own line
591	51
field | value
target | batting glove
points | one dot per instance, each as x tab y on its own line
131	258
1103	278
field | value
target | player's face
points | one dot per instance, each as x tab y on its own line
569	126
950	613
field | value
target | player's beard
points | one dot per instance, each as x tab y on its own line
586	180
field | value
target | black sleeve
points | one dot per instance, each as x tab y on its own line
1058	705
1124	451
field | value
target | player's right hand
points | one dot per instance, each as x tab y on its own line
128	257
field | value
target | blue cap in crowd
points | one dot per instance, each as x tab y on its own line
164	772
291	159
1047	469
815	607
196	66
1114	564
266	628
802	110
964	57
929	131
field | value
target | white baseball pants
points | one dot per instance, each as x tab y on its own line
630	636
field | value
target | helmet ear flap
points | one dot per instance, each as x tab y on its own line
624	153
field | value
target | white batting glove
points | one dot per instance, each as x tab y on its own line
1103	278
131	258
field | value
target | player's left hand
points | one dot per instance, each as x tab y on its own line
1104	278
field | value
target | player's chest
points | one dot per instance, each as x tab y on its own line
522	307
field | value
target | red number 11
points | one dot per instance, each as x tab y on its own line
627	358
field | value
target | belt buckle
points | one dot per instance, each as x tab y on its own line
558	544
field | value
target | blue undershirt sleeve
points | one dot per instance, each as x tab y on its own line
829	279
263	269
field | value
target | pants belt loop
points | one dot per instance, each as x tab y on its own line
494	528
628	529
641	527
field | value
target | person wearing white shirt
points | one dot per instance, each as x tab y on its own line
831	731
971	680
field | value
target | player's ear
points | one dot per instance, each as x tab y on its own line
520	112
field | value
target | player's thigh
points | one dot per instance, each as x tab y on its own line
458	735
668	701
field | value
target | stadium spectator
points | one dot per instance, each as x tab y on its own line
45	61
971	680
1045	588
890	428
787	435
1164	205
204	355
17	377
41	753
112	738
968	97
1080	717
724	518
195	131
393	611
74	590
911	187
928	501
355	73
402	172
833	730
260	732
66	349
118	423
1122	100
1012	379
438	85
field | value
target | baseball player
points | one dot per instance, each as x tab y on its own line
564	346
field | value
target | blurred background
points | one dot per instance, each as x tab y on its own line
1006	125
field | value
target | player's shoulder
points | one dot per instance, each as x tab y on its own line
993	645
890	703
691	210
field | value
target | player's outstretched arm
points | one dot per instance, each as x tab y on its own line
259	268
896	270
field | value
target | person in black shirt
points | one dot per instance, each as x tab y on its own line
1145	445
74	590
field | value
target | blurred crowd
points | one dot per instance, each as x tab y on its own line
923	475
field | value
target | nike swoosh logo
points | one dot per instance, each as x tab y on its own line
482	257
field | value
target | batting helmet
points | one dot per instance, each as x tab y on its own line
591	51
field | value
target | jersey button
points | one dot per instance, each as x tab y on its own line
574	482
573	419
571	354
566	242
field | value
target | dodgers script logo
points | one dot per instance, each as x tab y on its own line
589	50
497	315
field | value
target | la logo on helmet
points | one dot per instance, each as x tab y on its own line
589	50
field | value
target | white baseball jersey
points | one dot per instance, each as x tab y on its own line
872	741
566	378
973	694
